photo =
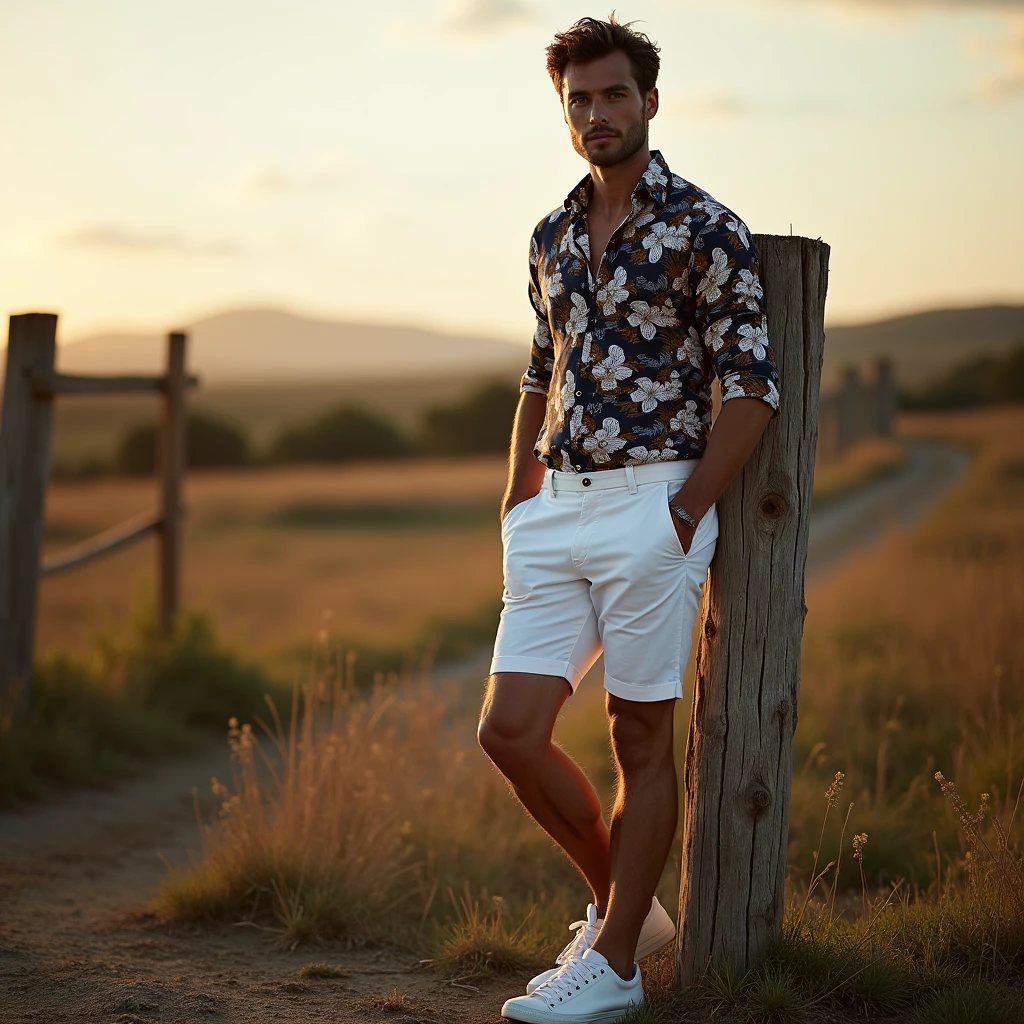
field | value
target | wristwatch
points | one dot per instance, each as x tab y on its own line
683	514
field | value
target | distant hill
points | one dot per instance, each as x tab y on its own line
264	345
272	347
922	346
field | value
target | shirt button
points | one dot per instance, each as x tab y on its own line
586	481
579	394
577	468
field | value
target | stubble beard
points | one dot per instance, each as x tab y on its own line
634	138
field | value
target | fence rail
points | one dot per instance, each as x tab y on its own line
30	384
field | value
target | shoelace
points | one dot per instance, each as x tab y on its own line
572	977
581	941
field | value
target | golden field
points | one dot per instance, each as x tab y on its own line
374	553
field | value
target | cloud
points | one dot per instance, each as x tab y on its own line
114	237
484	17
277	181
1008	51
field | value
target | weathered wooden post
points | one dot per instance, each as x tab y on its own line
850	408
24	470
739	748
885	397
171	465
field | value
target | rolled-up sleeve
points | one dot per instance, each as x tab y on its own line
731	312
537	377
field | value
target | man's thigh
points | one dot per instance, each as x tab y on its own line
548	624
647	592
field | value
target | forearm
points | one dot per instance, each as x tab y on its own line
738	428
525	472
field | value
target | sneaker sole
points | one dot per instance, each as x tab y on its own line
545	1017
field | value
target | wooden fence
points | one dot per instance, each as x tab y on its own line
859	409
30	385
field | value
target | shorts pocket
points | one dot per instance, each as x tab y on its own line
515	511
665	495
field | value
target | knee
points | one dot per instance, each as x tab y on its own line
508	742
641	734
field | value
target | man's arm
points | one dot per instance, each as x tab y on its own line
525	473
733	323
738	428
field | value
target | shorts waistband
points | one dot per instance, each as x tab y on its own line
628	476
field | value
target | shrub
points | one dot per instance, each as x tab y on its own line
90	720
985	380
209	442
482	424
344	434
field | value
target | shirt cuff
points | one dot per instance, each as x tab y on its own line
534	389
744	384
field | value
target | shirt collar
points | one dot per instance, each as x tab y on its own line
654	182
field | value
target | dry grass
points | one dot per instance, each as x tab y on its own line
348	825
913	663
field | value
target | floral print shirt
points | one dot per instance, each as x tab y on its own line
627	360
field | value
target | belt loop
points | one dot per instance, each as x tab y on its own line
550	474
631	479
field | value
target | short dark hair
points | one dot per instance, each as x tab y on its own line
591	39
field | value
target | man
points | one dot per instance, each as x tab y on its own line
644	288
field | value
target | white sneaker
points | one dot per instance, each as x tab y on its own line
658	929
584	990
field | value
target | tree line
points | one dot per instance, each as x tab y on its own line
479	424
984	380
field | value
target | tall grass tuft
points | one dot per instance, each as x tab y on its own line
346	823
91	720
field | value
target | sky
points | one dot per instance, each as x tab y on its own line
387	161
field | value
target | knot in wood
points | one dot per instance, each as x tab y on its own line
773	506
710	629
759	799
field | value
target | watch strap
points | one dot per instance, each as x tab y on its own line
683	514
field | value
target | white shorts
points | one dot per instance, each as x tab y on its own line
593	562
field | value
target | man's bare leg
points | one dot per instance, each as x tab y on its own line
643	821
516	724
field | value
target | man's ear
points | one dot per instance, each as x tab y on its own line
652	103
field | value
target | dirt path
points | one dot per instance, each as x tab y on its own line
76	942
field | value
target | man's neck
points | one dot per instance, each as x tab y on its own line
612	187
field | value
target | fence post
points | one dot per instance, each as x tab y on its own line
171	462
739	749
24	470
885	397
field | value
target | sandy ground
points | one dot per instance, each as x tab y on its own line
77	944
76	941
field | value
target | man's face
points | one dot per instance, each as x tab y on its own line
606	114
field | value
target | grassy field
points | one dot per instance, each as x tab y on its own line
913	668
384	558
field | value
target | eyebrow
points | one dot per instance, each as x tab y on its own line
622	87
